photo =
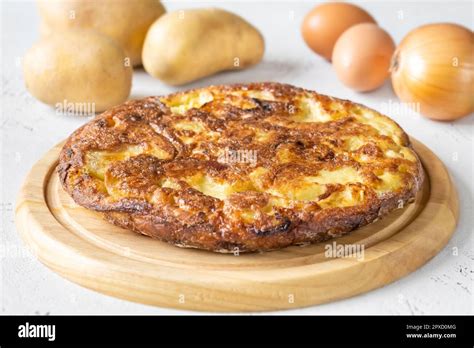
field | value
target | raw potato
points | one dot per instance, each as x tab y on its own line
78	67
123	20
187	45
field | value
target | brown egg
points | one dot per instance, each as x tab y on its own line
323	25
362	56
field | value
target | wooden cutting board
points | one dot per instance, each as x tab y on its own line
80	246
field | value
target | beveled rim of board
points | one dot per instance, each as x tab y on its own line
247	289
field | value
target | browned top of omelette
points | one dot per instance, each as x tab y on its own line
242	167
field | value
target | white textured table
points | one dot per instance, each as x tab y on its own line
28	129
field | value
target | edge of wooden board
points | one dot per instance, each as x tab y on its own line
249	290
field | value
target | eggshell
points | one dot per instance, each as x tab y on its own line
324	24
361	56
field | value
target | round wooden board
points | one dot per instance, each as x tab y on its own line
79	245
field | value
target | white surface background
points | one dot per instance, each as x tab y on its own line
28	129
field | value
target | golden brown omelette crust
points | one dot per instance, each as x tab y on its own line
240	168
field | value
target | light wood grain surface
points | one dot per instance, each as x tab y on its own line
82	247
